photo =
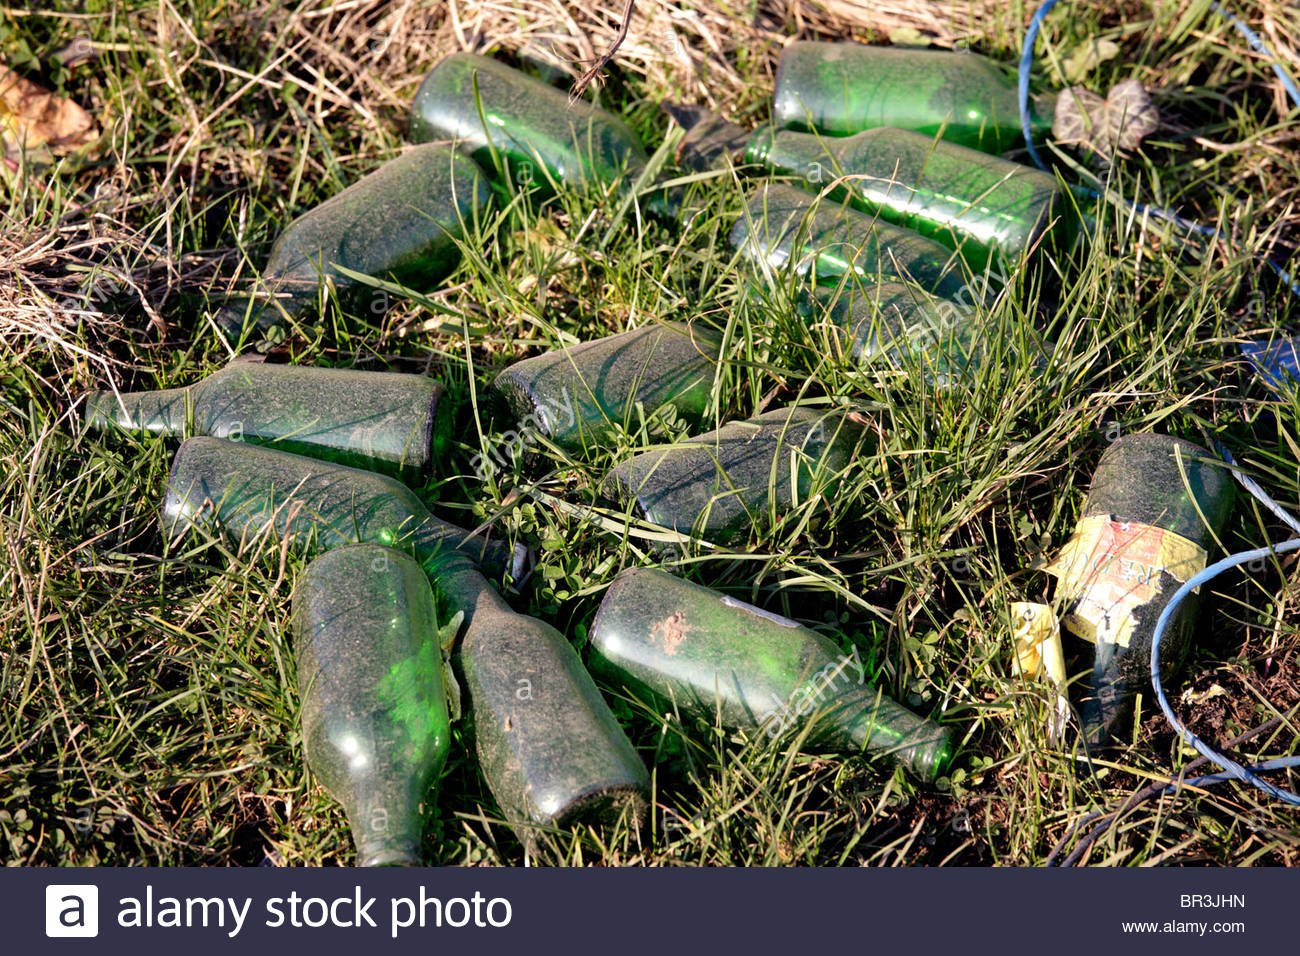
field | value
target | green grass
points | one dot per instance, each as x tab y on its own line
148	711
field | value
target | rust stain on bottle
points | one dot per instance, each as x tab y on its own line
673	629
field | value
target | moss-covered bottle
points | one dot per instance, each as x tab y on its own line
540	138
1156	507
684	646
249	490
387	421
745	475
576	397
844	88
374	706
401	223
981	205
824	240
550	749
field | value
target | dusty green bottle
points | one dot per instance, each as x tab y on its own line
541	138
576	397
981	205
692	648
550	749
745	475
823	240
374	705
1155	509
249	490
844	88
387	421
897	326
401	223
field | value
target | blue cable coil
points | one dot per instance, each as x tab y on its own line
1276	364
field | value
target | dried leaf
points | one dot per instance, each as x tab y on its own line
34	120
1088	57
1118	123
1076	109
1131	113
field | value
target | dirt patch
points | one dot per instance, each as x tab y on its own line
673	629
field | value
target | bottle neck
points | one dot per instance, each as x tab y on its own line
710	142
875	724
259	319
759	147
464	588
164	412
445	549
384	815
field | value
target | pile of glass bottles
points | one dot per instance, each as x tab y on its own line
881	192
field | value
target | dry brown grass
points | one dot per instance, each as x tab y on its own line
355	65
691	54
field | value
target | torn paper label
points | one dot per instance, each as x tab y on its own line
1111	568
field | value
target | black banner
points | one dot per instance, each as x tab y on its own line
643	911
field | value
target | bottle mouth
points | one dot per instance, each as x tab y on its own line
940	758
100	411
604	803
400	851
760	146
437	431
513	401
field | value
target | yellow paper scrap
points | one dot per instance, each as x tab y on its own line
1038	651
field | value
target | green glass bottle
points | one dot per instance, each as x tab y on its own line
576	397
249	489
897	326
387	421
550	749
787	228
745	475
981	205
374	705
843	88
542	139
1156	507
401	223
686	646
